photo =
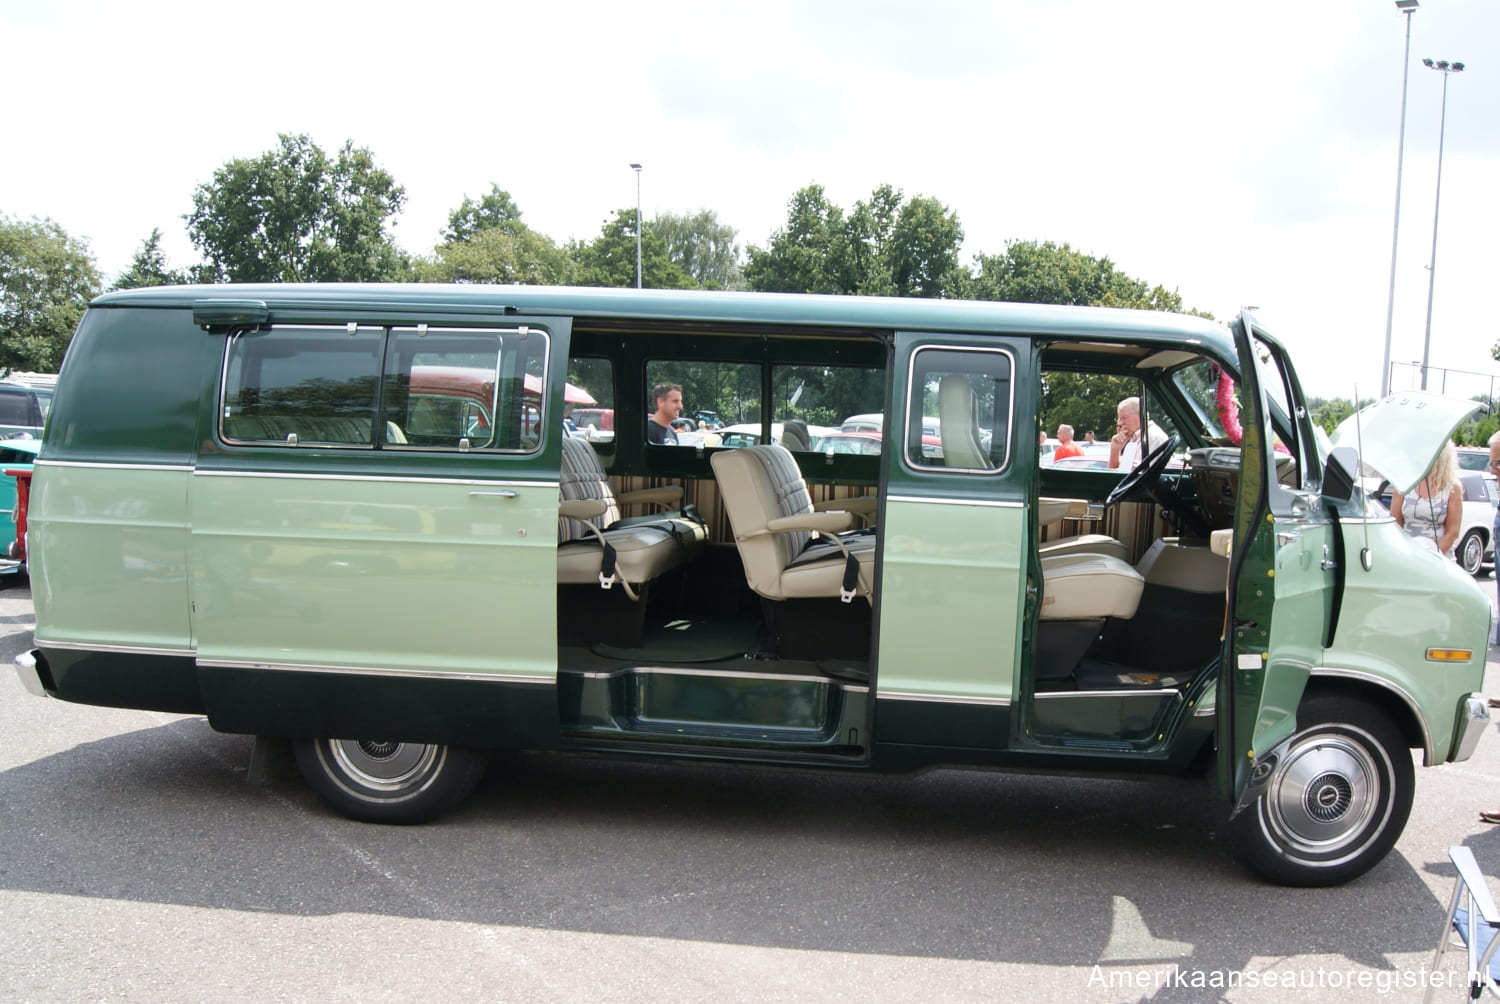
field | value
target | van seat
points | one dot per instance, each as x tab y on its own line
644	549
1089	587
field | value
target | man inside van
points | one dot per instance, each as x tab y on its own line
667	398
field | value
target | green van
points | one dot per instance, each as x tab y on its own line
352	517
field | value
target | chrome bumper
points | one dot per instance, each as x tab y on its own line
1473	716
26	670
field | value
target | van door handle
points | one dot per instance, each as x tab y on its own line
504	494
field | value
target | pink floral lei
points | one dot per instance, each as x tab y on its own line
1229	408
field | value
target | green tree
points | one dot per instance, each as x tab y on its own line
296	215
809	254
494	209
47	278
609	259
702	247
149	267
500	255
885	246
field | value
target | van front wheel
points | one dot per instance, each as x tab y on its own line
379	781
1337	799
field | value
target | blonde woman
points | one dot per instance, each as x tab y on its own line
1434	511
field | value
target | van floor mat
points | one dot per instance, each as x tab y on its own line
1096	674
685	640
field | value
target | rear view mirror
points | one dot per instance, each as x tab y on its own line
1340	474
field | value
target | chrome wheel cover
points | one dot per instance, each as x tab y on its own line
1326	796
385	768
1472	555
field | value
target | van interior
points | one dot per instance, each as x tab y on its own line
744	583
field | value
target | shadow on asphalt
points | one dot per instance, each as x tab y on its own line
1006	868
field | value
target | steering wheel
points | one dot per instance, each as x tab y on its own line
1146	475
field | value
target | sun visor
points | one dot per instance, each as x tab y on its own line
1399	437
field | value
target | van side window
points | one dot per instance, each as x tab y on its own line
302	385
720	401
589	399
969	393
443	388
811	405
465	388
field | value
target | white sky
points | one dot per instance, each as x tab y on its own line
1239	152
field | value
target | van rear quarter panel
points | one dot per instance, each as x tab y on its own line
108	527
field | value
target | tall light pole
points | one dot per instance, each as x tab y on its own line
1446	68
1407	7
637	169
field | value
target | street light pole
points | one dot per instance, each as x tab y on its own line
1446	68
637	169
1407	7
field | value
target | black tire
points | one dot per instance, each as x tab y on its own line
388	782
1470	552
1337	799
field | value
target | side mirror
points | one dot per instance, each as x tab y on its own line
1340	474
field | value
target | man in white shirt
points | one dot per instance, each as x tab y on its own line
1125	446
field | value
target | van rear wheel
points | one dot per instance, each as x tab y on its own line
382	781
1337	799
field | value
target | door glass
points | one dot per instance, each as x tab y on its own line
968	394
720	404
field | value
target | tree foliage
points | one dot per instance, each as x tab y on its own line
47	278
883	247
149	267
702	247
294	214
609	259
1045	272
493	210
500	255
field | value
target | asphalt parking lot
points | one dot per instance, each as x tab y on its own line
136	862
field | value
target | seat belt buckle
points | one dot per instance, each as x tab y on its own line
606	581
851	579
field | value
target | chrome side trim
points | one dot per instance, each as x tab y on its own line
90	465
946	501
375	479
288	667
1155	692
25	666
75	646
721	674
1429	755
900	695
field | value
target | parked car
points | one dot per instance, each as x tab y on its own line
23	408
16	459
1477	458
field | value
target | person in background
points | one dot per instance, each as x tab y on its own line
1433	513
1125	445
1088	438
1066	447
1041	438
667	400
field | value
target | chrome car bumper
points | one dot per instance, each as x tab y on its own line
1473	716
26	670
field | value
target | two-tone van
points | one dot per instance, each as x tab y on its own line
351	517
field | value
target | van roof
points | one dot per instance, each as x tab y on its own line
860	312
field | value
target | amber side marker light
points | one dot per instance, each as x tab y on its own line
1449	654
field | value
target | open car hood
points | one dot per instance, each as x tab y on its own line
1402	434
